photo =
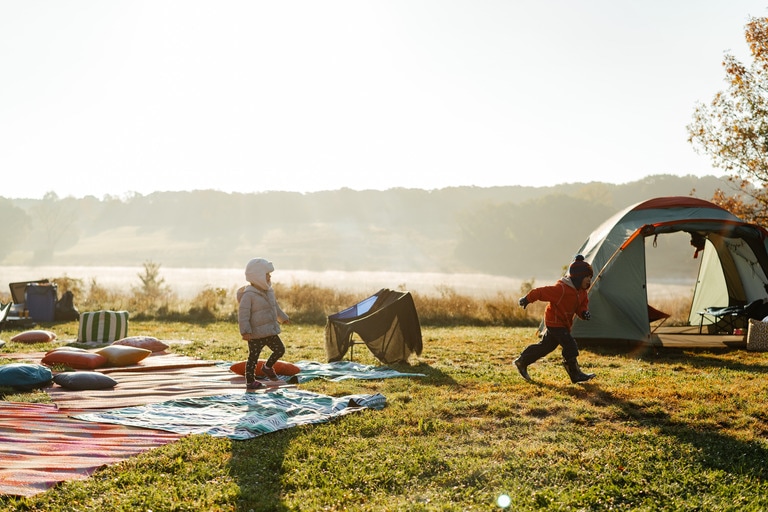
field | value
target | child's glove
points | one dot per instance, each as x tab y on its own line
523	302
586	315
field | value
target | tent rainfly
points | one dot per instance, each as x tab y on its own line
386	322
732	269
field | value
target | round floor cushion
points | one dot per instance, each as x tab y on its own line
123	355
146	342
24	376
84	380
77	359
281	368
34	336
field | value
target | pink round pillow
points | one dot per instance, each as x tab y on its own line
145	342
34	336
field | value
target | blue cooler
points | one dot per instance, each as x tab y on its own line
40	300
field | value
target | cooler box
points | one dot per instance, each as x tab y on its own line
103	326
40	300
18	289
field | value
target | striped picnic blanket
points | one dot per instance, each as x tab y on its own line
41	446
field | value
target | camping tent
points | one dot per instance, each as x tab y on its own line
386	322
732	269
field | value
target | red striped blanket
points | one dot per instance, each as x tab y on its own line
41	446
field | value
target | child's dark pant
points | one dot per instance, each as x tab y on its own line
274	343
552	338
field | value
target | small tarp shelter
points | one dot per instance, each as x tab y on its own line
386	322
732	270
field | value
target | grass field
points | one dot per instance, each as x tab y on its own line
675	430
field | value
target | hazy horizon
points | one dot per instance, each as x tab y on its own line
188	282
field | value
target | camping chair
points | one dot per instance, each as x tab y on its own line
728	319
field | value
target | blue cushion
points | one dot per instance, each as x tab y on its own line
24	376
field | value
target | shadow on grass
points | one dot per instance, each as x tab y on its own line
715	449
693	357
433	377
256	467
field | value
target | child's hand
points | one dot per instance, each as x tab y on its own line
246	337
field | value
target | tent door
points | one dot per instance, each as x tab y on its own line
711	289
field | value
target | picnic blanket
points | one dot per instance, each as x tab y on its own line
343	370
158	385
238	416
41	446
168	396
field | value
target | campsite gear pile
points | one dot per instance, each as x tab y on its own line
37	302
34	300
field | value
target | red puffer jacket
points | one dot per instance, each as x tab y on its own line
565	301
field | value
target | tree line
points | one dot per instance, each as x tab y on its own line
511	231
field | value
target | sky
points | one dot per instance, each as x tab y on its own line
113	98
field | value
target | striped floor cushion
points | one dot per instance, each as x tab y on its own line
102	326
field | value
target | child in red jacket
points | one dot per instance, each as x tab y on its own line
567	298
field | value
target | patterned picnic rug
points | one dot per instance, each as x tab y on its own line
167	396
41	446
344	370
238	416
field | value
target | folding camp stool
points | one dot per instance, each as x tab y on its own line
724	319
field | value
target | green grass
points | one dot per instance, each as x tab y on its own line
677	430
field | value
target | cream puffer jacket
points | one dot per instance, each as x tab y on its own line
259	315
